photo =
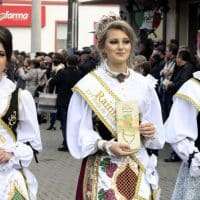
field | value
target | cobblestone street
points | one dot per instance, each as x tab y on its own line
57	172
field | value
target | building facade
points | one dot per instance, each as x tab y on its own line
16	15
183	22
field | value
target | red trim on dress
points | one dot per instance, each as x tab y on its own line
79	190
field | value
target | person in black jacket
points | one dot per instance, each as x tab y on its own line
64	80
182	72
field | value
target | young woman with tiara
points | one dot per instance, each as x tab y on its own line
114	122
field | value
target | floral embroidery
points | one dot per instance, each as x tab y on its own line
108	167
89	181
106	195
12	119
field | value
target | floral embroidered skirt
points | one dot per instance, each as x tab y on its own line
103	177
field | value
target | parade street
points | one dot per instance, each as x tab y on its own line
57	172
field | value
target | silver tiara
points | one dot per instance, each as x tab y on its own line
104	23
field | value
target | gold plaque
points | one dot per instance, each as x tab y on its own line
127	123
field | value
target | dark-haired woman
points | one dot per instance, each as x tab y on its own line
19	132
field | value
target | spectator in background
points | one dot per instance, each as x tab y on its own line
48	66
166	74
157	61
170	61
183	71
21	82
57	64
143	66
175	42
33	76
137	60
58	61
87	62
145	48
63	81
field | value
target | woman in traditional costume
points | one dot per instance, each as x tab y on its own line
114	116
183	133
19	132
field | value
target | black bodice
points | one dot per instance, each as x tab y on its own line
11	116
101	128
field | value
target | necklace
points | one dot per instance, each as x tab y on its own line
119	76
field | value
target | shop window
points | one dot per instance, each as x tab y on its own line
61	35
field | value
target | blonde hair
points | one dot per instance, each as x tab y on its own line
139	59
113	22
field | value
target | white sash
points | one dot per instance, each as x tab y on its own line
100	98
190	92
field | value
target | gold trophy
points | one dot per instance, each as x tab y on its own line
127	123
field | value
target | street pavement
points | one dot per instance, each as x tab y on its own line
57	172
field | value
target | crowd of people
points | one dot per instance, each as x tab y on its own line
54	72
106	95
